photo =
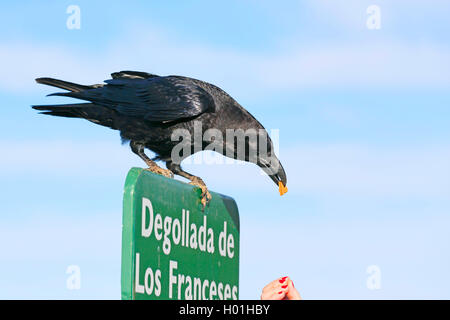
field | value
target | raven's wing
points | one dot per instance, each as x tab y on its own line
133	75
157	99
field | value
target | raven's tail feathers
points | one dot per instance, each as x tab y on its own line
89	111
74	87
63	110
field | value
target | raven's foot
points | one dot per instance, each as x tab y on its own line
156	169
206	196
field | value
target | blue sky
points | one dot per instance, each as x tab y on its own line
364	138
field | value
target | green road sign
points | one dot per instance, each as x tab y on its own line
171	249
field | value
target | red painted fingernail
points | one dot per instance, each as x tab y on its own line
284	278
280	292
281	281
293	283
285	286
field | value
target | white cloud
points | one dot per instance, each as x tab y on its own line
378	64
373	171
388	63
65	157
61	236
328	259
347	170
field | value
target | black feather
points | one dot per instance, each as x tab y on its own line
62	84
132	74
89	111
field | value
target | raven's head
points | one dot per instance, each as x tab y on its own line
271	165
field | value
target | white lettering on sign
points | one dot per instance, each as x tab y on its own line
173	231
152	280
146	231
226	244
196	288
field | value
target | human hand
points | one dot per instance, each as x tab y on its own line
280	289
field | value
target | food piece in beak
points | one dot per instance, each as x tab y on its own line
283	189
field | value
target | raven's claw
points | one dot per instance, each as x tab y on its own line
206	196
164	172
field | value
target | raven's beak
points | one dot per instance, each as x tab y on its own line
279	177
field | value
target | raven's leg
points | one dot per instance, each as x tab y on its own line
138	148
196	181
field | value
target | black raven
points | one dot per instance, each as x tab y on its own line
148	109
